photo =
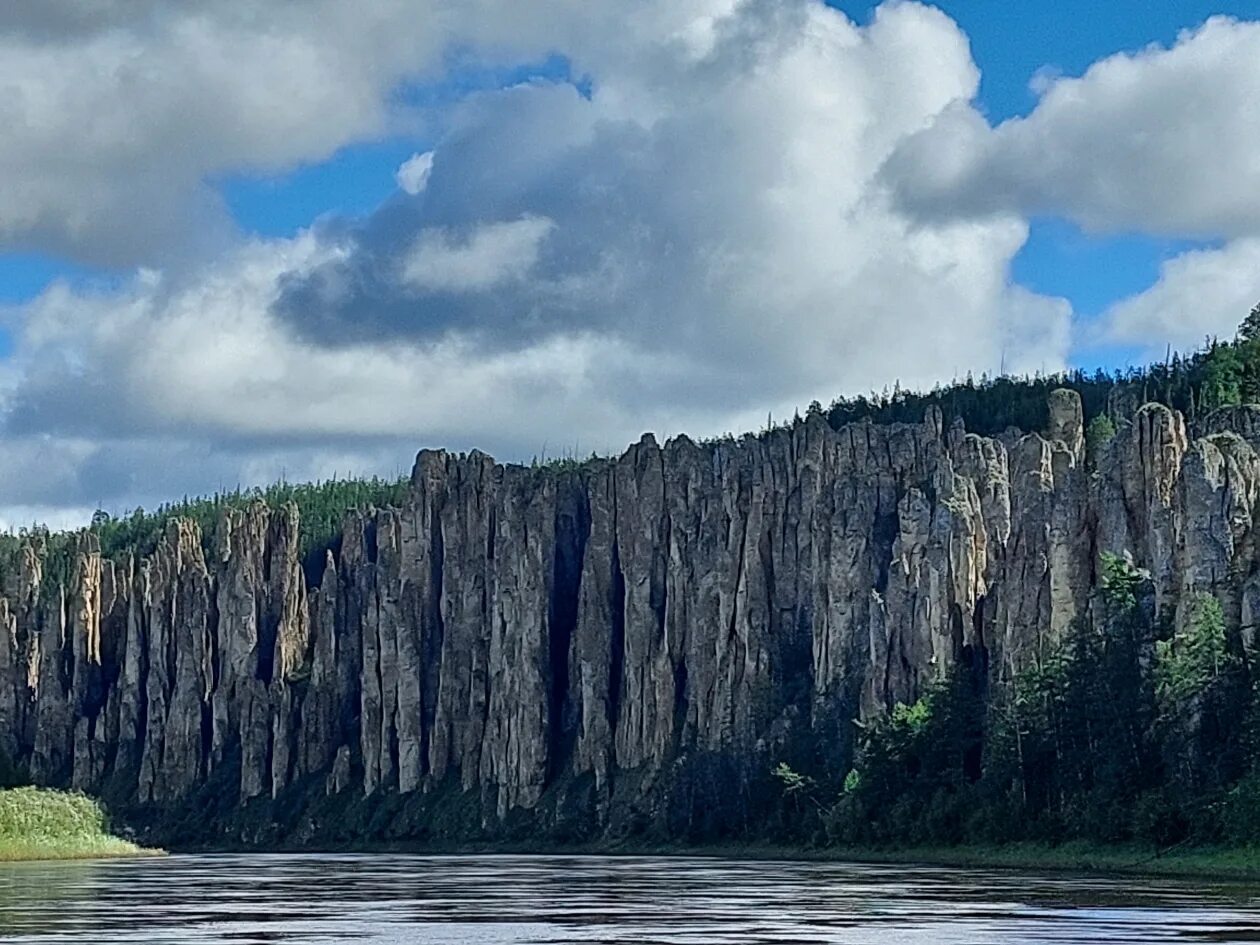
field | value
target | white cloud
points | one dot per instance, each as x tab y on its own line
733	216
413	173
207	359
111	134
705	237
118	116
1200	294
1159	140
493	253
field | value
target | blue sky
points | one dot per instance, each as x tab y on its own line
1011	42
675	216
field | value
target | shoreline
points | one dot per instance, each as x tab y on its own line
40	824
110	848
1215	863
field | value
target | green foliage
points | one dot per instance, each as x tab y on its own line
793	781
908	722
1122	731
568	461
33	813
1194	657
321	506
1249	330
1098	433
55	552
37	823
915	774
321	509
1220	374
1238	810
852	781
1119	581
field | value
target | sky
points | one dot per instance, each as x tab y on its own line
243	240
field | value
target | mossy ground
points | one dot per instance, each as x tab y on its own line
38	824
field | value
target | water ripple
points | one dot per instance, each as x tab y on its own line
549	900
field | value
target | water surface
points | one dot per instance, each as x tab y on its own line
321	899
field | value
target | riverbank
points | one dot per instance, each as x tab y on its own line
1234	864
1076	857
39	824
1210	863
1204	863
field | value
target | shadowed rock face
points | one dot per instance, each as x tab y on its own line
509	630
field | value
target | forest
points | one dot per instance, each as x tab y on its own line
321	507
1124	732
1219	374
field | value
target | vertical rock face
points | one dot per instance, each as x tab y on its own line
260	634
509	630
175	607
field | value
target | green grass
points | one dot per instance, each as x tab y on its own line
38	824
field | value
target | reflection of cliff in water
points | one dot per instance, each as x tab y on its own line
202	900
34	896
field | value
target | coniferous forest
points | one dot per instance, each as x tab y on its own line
1125	733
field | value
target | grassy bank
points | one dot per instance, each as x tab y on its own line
37	824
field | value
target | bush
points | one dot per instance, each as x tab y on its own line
42	824
32	814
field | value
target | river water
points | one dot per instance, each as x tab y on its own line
317	899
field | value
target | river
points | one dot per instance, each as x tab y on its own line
488	900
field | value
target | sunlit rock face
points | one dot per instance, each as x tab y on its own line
509	632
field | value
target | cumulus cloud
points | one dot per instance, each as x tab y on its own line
701	233
1201	294
120	114
732	217
1161	141
214	394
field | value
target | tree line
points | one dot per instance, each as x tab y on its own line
321	507
1219	374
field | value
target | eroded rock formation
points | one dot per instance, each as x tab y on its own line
510	631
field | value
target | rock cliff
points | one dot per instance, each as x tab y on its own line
619	638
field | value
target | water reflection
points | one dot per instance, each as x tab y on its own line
462	900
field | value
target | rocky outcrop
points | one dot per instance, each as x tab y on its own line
509	633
